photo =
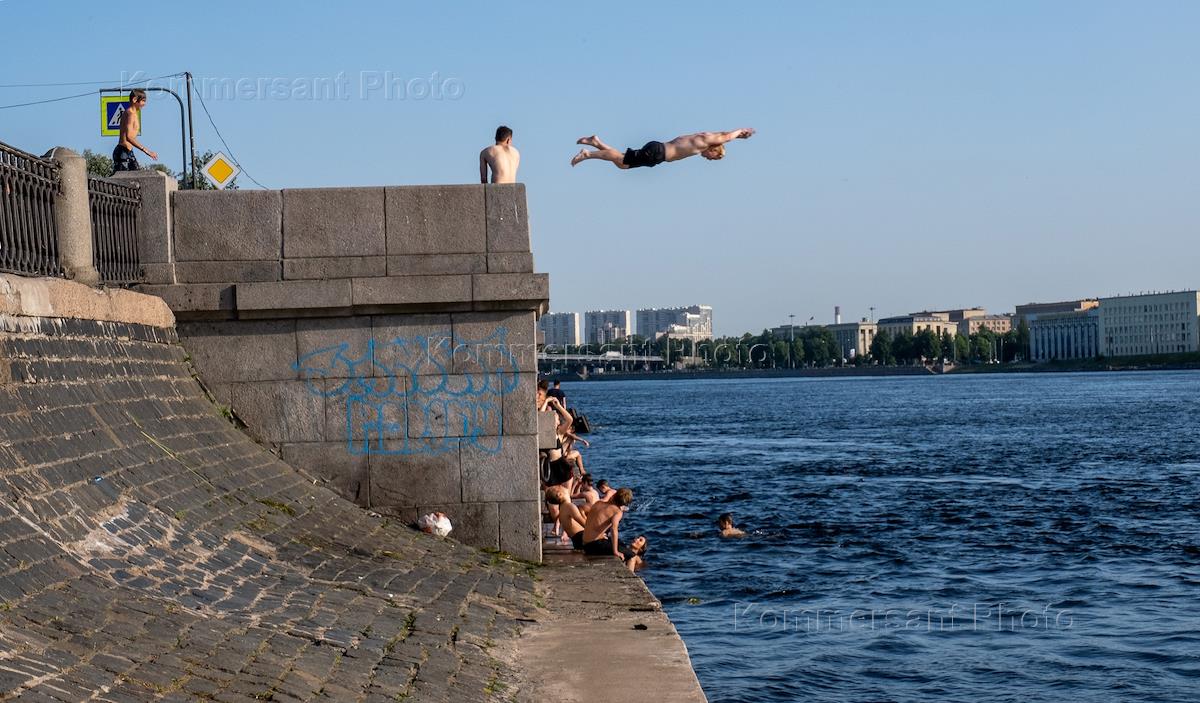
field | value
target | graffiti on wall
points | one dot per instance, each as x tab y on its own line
425	394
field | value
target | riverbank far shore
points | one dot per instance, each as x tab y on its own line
602	638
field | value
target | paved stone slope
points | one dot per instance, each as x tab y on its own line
150	551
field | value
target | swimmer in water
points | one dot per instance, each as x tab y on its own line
725	524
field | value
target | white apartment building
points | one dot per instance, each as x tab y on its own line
604	326
693	321
560	329
1155	323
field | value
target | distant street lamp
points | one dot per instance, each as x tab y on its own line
791	339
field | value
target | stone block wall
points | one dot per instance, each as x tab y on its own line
151	551
380	339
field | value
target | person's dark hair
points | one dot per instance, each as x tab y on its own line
725	519
602	483
502	133
137	94
624	497
543	385
557	384
645	545
586	478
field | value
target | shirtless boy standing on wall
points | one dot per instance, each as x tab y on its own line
131	123
502	158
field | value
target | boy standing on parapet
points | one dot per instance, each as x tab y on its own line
131	123
502	157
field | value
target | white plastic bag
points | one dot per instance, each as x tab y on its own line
435	524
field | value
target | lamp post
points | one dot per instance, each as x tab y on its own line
791	340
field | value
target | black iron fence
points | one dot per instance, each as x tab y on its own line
28	233
114	206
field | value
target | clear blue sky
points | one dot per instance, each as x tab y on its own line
910	155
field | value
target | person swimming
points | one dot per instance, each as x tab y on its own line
725	525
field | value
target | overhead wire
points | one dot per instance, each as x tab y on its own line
59	85
225	143
77	95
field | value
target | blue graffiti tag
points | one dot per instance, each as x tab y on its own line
418	395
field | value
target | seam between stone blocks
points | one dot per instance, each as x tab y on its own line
282	230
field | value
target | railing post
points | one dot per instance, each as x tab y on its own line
74	218
155	247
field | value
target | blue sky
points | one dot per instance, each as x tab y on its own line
910	155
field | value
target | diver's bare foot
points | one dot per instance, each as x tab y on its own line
589	141
581	156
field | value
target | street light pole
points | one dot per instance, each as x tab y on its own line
791	340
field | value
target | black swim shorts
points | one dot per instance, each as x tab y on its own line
650	155
577	540
124	159
599	548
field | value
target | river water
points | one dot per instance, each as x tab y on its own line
957	538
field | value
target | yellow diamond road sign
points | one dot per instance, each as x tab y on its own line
220	171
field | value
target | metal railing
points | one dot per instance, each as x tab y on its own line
114	207
28	230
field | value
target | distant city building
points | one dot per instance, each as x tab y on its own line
1065	335
1029	311
561	329
789	331
603	326
999	324
938	322
694	321
1156	323
854	338
958	315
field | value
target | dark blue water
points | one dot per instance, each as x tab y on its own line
1000	538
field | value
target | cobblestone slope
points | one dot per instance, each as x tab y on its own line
150	551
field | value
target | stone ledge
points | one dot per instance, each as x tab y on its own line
434	264
334	267
511	286
393	290
54	297
294	295
194	297
226	271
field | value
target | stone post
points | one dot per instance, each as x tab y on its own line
74	217
156	252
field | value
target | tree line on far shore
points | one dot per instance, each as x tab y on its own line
816	347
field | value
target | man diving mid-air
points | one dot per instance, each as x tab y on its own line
710	145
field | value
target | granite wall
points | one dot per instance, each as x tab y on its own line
380	339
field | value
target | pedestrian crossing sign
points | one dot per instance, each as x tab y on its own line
111	109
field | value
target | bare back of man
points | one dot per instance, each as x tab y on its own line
605	517
501	158
599	520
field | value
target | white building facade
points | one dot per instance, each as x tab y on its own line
1156	323
560	329
605	326
695	321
